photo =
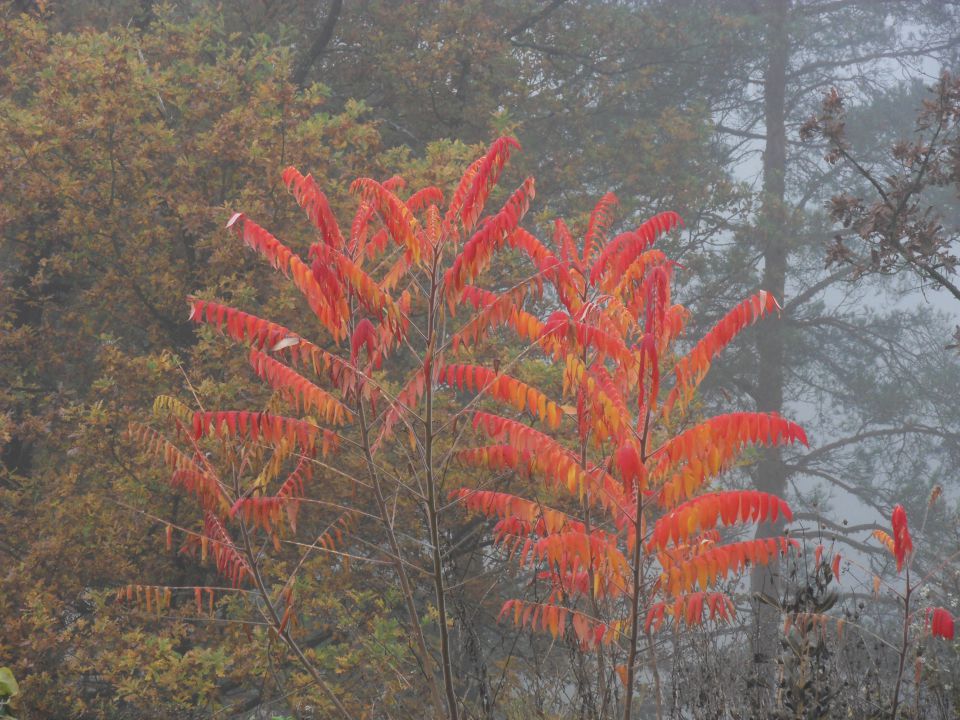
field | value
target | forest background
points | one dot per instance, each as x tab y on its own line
130	131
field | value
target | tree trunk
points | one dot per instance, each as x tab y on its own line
771	473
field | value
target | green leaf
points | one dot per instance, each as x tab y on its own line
8	686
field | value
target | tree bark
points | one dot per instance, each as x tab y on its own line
771	472
319	44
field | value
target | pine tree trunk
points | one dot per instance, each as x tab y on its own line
771	473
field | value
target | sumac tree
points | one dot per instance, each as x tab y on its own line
620	527
636	538
938	621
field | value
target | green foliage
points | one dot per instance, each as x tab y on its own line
8	691
118	152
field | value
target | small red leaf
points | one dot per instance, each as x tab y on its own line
363	335
941	623
902	543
